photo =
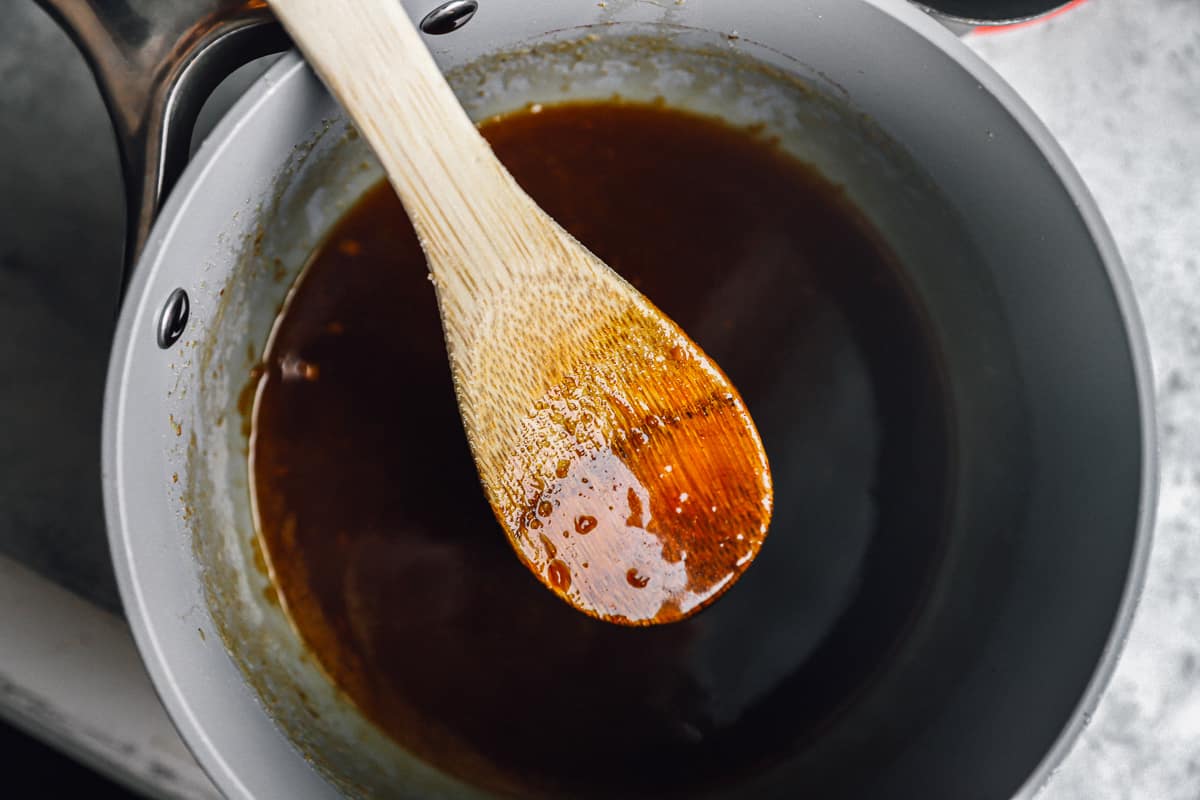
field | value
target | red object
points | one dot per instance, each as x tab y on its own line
1027	23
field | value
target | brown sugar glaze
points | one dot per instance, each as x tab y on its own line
390	562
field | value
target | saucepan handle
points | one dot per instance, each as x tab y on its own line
156	62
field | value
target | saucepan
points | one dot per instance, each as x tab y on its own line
988	680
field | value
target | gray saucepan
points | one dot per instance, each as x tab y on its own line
1047	370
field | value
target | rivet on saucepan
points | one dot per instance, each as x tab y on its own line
449	17
173	318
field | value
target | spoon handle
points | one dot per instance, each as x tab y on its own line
475	223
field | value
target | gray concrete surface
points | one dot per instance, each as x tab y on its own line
61	221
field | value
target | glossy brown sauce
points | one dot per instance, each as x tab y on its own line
392	566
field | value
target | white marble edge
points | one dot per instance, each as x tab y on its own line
71	676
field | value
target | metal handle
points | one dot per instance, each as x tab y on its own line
156	62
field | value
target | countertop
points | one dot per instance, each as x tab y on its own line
1117	81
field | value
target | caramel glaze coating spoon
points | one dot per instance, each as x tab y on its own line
620	460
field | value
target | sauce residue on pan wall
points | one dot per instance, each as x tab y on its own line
388	559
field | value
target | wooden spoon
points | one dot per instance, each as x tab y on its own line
620	460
